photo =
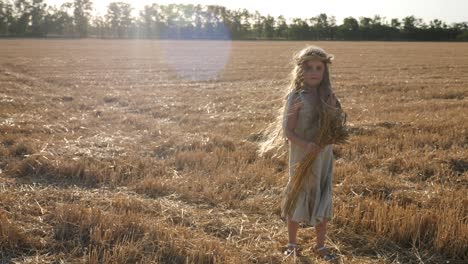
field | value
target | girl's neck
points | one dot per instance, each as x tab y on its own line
313	89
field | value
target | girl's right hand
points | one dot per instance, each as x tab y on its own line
312	147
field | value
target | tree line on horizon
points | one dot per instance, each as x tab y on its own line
34	18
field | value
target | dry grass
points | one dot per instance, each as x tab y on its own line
107	156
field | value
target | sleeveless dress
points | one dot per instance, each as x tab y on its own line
314	203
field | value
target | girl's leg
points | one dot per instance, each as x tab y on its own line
292	230
321	231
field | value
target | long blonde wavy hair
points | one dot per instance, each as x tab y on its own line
273	136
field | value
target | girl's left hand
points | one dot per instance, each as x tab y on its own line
331	100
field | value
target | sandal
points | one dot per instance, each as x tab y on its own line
329	256
292	249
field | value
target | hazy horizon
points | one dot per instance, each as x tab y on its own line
449	11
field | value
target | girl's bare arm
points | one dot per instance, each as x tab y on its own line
292	122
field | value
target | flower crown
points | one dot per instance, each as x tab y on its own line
315	53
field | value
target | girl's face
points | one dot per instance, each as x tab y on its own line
313	72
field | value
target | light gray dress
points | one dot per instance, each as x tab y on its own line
314	203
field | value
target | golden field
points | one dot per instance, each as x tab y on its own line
109	155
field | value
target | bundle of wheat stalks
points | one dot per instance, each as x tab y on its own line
332	130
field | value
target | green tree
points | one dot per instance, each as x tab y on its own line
299	29
395	23
269	27
119	18
235	26
82	12
332	27
282	27
171	18
6	17
245	18
365	27
349	30
322	26
21	17
38	12
29	18
62	21
180	21
218	22
257	25
151	21
99	27
461	30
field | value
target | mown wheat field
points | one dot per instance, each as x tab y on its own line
108	154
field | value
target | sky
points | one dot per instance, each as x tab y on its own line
449	11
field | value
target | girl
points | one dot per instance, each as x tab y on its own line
298	124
